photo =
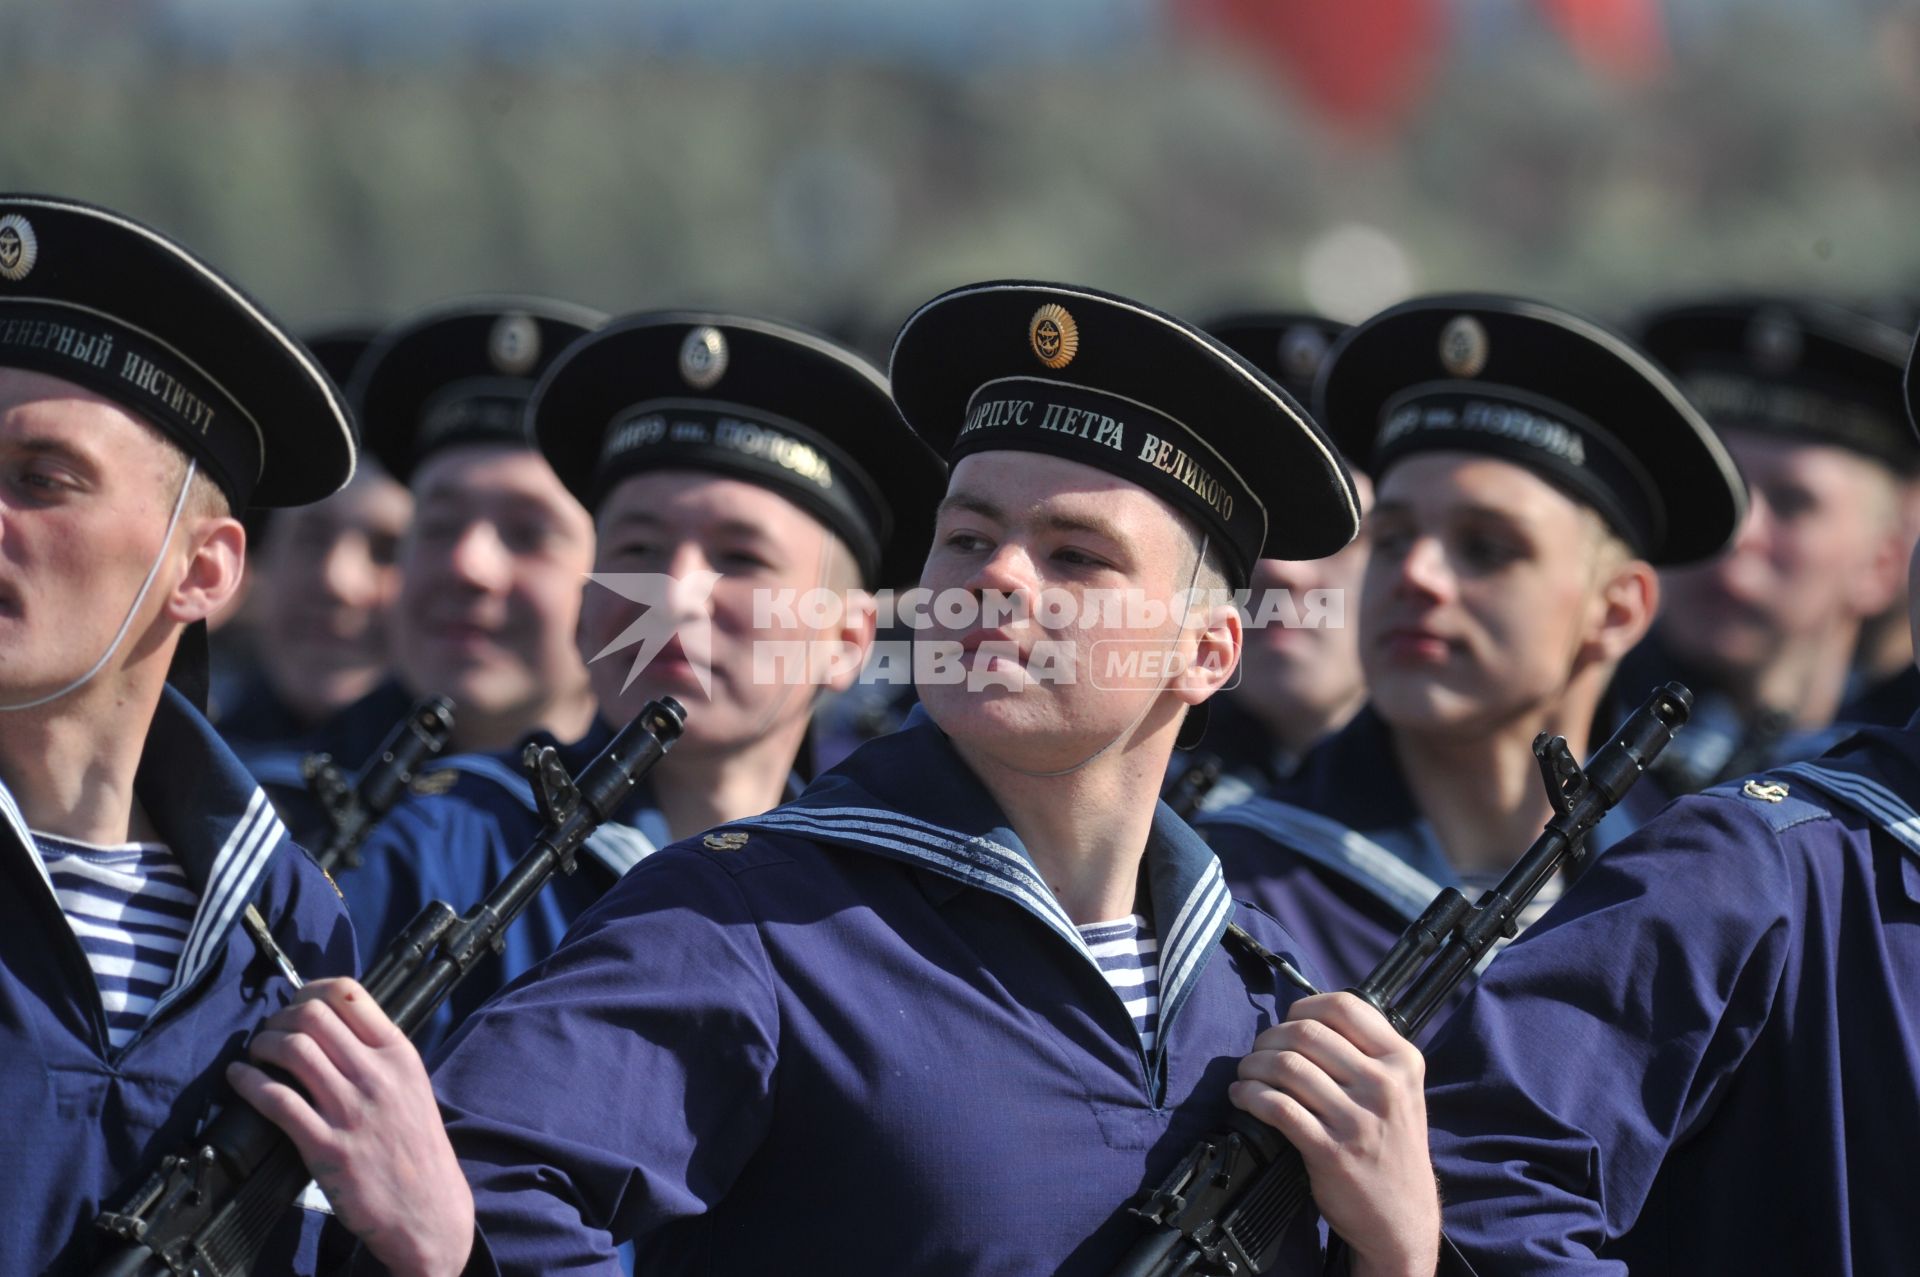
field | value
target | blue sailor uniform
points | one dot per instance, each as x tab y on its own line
249	712
458	844
854	1034
1719	743
1341	854
1888	702
84	1122
1707	1059
1246	759
349	738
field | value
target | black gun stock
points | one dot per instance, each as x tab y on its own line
1226	1207
207	1212
353	810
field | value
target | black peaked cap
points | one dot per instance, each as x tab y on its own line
460	373
1117	384
1791	366
1913	384
340	347
1548	390
773	404
96	298
1287	345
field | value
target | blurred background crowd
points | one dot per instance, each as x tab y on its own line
838	161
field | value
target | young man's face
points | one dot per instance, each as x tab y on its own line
86	490
727	545
1056	532
329	575
1479	595
490	578
1812	554
1312	667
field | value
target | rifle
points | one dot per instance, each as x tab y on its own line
208	1211
353	811
1226	1206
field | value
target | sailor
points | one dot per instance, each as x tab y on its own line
1533	469
1300	676
490	570
1705	1058
1808	399
733	466
952	1008
311	637
489	595
144	400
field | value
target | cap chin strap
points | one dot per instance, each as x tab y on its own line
179	503
1128	731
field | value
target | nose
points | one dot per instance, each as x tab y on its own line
348	574
1423	572
479	558
1292	575
1008	570
691	593
1756	530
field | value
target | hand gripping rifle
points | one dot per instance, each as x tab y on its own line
353	810
209	1211
1225	1208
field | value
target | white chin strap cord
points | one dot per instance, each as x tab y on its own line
179	503
1127	731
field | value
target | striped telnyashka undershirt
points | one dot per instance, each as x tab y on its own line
1129	957
131	907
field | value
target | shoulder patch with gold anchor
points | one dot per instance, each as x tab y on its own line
434	783
731	840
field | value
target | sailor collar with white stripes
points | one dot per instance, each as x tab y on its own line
879	801
1858	778
212	816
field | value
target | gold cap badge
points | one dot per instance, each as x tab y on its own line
732	840
514	344
19	247
1770	791
1054	335
1464	346
703	357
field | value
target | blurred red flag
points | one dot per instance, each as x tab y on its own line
1363	64
1626	39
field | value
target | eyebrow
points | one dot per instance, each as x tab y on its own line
647	521
1087	523
61	449
52	444
1475	511
486	504
1453	511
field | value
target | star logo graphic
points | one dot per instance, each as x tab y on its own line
670	606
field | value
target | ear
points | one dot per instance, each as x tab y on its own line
215	565
854	636
1880	578
1217	644
1623	611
